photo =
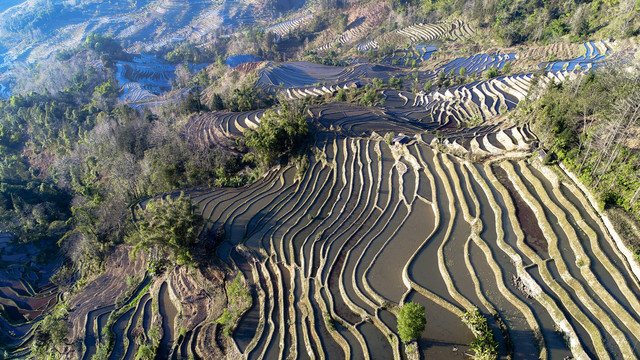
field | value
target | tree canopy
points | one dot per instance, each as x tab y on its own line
103	44
279	132
411	321
168	227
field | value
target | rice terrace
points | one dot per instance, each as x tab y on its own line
332	179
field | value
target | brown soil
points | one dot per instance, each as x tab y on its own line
198	304
102	291
534	236
249	67
198	295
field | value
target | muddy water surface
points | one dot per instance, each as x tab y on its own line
168	312
119	331
445	337
526	217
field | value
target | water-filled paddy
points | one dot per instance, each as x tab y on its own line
330	255
342	245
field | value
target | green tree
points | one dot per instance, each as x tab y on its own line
104	44
491	73
279	132
50	333
168	228
339	23
411	321
192	102
216	102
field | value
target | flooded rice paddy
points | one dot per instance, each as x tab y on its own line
371	226
331	255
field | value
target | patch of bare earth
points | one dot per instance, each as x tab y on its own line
200	297
250	67
366	18
102	291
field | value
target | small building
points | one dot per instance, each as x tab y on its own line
400	140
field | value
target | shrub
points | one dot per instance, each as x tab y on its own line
239	299
146	352
302	165
339	23
50	332
395	82
224	318
102	352
636	253
370	98
411	321
388	137
331	324
484	346
491	73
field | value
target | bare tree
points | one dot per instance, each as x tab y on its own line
626	14
626	114
578	21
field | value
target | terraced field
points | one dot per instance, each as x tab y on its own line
220	128
330	255
283	28
370	226
299	79
25	292
461	216
176	311
456	30
418	53
420	36
593	53
417	112
462	115
146	77
303	79
361	23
